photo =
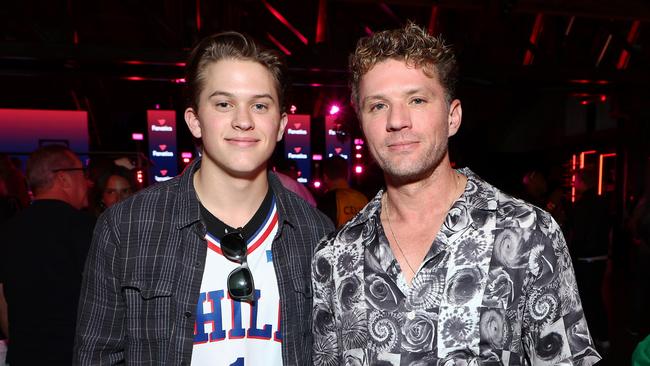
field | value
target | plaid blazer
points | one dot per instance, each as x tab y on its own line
144	270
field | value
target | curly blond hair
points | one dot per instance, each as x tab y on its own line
410	44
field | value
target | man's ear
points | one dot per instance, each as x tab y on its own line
455	117
283	124
193	123
62	180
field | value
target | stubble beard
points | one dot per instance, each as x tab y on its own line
399	173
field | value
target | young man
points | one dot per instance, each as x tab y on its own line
211	267
440	268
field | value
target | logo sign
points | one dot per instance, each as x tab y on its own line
337	142
162	144
297	144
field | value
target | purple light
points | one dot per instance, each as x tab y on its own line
137	136
293	109
186	154
358	141
334	109
317	157
317	184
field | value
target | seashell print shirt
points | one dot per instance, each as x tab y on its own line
496	288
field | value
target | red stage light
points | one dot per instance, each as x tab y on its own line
317	157
293	109
358	156
358	169
317	184
334	109
137	136
139	176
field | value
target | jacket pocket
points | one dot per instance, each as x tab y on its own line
148	309
302	285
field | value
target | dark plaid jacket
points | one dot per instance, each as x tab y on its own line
144	270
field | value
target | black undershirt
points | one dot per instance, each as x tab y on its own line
217	228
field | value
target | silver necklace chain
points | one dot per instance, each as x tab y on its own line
395	238
390	226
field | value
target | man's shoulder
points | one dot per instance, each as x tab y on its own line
511	208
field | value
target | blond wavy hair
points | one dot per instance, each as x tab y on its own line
410	44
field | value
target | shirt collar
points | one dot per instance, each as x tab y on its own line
478	195
283	198
188	207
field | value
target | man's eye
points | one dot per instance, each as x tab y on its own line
418	101
260	107
222	105
377	107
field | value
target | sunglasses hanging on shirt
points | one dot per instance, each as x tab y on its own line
240	280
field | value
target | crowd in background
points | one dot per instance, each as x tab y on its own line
614	287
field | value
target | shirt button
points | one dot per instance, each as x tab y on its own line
410	315
188	314
197	264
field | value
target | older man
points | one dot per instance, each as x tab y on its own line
440	268
42	256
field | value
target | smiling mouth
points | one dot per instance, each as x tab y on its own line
399	145
242	141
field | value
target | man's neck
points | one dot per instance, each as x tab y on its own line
431	196
53	194
233	200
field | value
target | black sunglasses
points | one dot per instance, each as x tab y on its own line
240	280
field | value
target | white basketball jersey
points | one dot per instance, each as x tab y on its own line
234	333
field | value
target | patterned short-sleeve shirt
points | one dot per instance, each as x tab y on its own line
496	288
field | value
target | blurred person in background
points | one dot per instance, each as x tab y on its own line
287	172
112	185
638	227
14	182
589	227
42	255
340	202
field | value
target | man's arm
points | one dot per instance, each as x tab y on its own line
326	343
100	334
554	326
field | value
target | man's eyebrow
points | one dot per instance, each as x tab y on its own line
371	97
217	93
221	93
408	92
260	96
413	91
